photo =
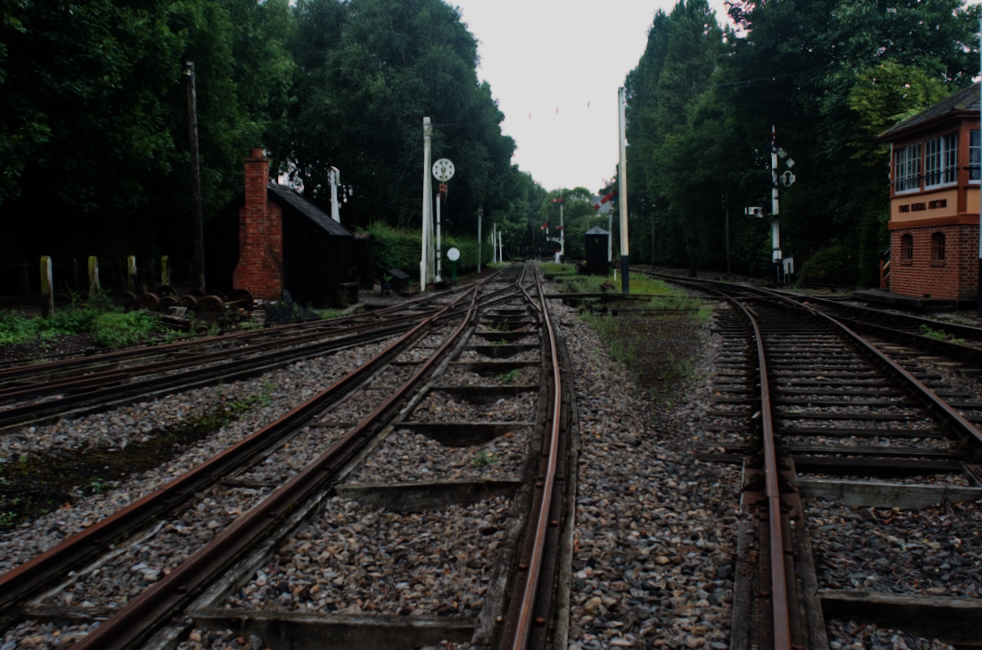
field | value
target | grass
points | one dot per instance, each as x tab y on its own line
938	335
558	269
327	314
109	326
510	376
629	337
483	458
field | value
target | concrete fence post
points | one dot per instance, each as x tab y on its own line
47	293
131	272
94	287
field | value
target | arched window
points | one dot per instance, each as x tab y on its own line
907	249
938	247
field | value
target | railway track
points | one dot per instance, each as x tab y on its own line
458	430
39	394
823	419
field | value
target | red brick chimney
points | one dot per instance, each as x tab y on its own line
260	267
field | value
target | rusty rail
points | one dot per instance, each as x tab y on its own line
780	609
145	612
528	585
17	583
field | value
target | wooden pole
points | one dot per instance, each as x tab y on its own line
47	295
165	269
198	259
94	287
131	272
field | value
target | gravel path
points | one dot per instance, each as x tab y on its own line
655	529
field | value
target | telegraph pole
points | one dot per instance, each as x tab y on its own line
424	257
480	244
622	182
198	259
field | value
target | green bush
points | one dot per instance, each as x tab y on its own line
115	329
396	249
832	265
109	326
399	249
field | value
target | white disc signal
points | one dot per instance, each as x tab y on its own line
443	170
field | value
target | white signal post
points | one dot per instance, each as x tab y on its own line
480	244
562	227
443	171
334	177
622	183
775	207
427	189
782	267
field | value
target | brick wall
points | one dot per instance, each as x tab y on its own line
260	267
957	278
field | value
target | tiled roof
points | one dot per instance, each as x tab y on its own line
966	99
295	200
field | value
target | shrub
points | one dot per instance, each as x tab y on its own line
832	265
109	326
399	249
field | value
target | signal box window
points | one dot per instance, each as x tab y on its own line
938	247
974	156
907	168
907	249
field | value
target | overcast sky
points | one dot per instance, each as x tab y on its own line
544	56
541	56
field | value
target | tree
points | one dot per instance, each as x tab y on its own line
361	96
93	126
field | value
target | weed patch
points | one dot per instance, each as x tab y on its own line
109	326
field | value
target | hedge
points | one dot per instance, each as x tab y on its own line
400	249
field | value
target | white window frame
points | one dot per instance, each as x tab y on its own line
974	156
949	160
907	169
941	161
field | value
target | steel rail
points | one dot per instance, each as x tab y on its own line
965	331
84	403
772	493
116	376
143	614
36	572
541	520
11	369
927	396
781	617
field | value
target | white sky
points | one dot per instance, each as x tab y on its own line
572	55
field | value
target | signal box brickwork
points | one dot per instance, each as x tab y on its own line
934	200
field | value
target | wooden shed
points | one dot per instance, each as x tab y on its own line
270	239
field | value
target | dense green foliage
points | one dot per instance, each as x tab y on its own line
94	123
399	249
94	120
829	75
